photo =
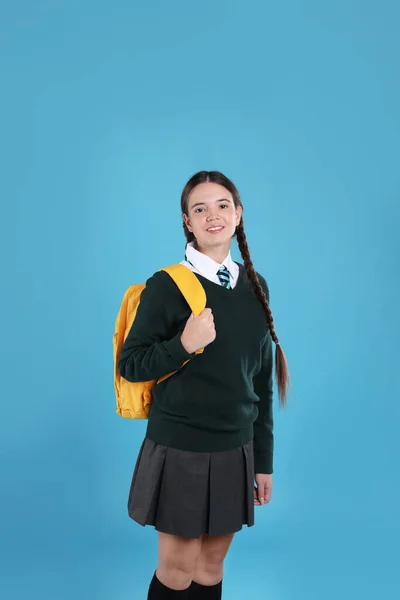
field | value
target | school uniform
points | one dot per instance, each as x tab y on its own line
210	427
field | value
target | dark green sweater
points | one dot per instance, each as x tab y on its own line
222	398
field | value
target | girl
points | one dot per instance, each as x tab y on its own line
210	427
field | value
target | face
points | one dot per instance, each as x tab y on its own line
211	215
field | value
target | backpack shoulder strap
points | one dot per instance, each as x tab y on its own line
189	286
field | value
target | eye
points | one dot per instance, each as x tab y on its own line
224	205
197	209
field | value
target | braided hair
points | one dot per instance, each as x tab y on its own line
281	368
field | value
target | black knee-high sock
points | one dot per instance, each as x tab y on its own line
159	591
205	592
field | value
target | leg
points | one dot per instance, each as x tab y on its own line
209	569
177	558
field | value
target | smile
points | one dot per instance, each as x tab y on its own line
215	229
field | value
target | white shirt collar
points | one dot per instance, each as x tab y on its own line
208	267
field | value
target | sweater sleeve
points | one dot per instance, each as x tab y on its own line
153	348
263	426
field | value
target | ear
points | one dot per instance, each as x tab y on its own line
239	211
187	223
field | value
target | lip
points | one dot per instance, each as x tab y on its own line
221	227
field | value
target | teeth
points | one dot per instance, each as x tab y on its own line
214	228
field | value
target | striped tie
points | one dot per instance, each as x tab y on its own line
223	276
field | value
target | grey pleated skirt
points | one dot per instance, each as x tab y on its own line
192	493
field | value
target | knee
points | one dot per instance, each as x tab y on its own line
210	566
175	574
209	574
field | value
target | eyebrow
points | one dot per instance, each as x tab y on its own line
220	200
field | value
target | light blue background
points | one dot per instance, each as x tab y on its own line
107	108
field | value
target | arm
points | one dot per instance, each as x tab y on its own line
153	348
263	425
263	385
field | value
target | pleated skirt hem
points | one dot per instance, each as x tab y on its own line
193	493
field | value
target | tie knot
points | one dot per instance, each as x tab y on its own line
224	277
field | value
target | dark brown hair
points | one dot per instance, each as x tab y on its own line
281	368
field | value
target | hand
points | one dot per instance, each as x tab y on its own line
263	491
199	331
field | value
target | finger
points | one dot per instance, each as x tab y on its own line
255	497
266	496
258	496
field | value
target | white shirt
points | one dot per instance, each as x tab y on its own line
206	266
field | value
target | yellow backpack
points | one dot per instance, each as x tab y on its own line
135	398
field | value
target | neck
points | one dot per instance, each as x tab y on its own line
217	253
